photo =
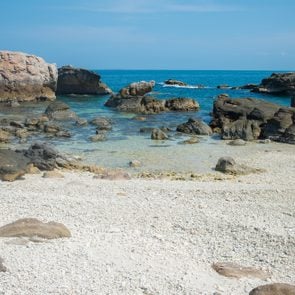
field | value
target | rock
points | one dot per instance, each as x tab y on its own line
102	123
191	140
29	122
52	174
248	86
194	126
278	83
4	136
135	163
232	270
139	118
22	133
12	165
98	137
137	89
2	266
229	166
13	103
31	227
80	81
292	102
175	82
181	104
113	175
44	156
223	86
25	77
251	119
289	135
60	111
237	142
81	122
31	169
158	134
274	289
63	133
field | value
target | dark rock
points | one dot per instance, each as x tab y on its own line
12	165
60	111
229	166
29	122
278	83
102	123
175	82
293	102
16	124
43	156
289	135
158	134
223	86
274	289
248	86
194	126
25	77
80	81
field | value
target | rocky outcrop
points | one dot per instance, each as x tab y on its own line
277	83
194	126
12	165
174	82
25	77
251	119
133	99
32	227
274	289
80	81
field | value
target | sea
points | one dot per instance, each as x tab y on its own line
125	142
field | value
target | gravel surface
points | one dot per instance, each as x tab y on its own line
152	236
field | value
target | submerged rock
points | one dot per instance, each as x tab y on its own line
26	77
80	81
102	123
31	227
60	111
158	134
278	83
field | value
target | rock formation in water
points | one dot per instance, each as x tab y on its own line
133	98
80	81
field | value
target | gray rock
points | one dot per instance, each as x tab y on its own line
98	137
158	134
60	111
25	77
175	82
102	123
229	166
194	126
80	81
237	142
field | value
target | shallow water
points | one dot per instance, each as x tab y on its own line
126	143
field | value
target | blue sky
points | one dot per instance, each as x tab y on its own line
153	34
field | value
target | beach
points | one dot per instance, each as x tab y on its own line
153	236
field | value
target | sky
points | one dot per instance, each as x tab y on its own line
153	34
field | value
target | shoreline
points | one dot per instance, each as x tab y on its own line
153	236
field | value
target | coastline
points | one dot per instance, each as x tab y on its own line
153	236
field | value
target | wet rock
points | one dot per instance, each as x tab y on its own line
52	174
22	133
98	137
229	166
13	103
31	227
223	86
2	266
25	77
194	126
29	122
248	86
80	81
158	134
292	102
175	82
102	123
12	165
16	124
113	175
278	83
274	289
232	270
51	128
135	163
237	142
140	118
191	140
81	122
60	111
63	133
289	135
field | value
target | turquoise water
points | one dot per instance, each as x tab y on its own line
126	143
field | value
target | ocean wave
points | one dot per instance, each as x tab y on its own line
186	86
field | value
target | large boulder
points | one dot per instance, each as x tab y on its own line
26	77
12	165
277	83
80	81
194	126
251	119
133	99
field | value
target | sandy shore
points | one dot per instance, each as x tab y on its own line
153	236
